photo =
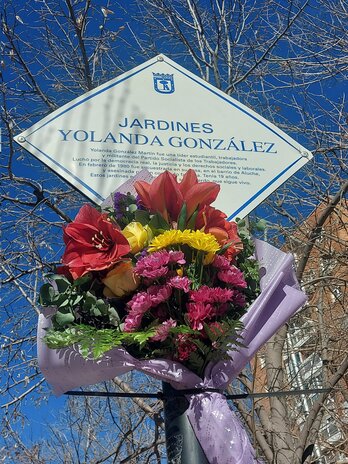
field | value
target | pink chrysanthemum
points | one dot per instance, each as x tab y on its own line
163	330
154	266
153	274
221	295
200	295
211	294
140	302
159	294
181	283
151	262
221	262
199	312
232	276
228	273
177	257
132	322
138	306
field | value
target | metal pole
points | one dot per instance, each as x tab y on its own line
182	444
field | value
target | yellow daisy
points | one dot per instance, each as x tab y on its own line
194	238
203	242
169	237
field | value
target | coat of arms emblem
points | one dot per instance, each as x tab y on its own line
163	83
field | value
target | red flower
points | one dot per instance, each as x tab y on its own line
92	242
167	196
213	221
184	347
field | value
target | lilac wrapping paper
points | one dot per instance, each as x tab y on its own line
216	426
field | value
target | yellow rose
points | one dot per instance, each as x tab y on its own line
120	280
138	236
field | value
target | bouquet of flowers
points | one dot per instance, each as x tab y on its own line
162	273
162	283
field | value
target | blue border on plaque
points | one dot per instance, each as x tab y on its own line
265	187
211	89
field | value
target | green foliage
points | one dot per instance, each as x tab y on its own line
246	262
192	220
260	225
198	359
194	275
223	339
140	337
183	329
142	216
158	224
76	302
182	217
93	342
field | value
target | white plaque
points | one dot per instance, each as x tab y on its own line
160	116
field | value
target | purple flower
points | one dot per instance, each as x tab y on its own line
120	205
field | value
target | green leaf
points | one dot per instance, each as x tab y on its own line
85	344
55	339
142	216
212	335
140	337
224	248
75	300
82	280
92	342
47	294
90	300
62	284
192	220
158	222
63	318
183	329
95	311
261	225
114	318
196	362
63	301
182	217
